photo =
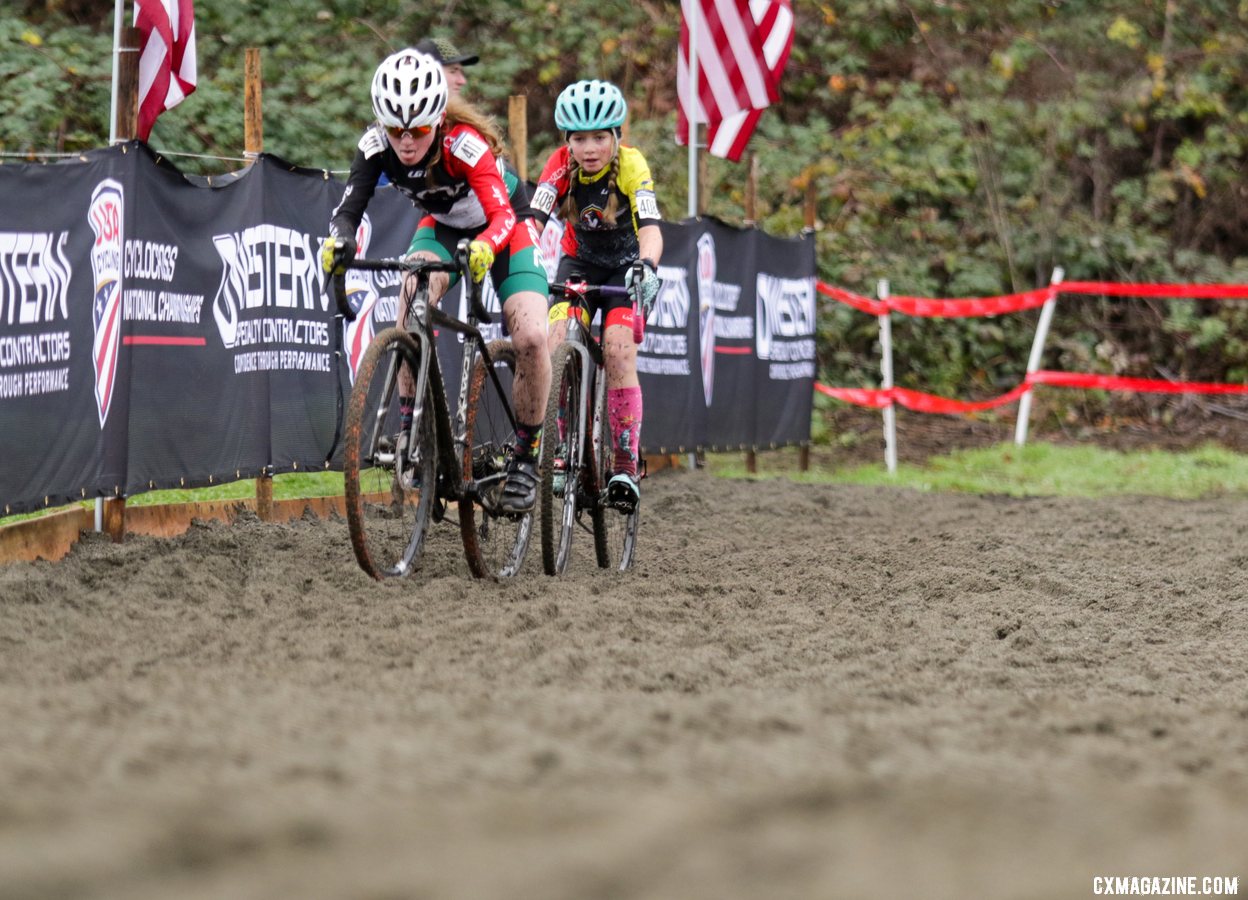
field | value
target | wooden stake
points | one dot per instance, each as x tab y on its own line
128	85
253	113
115	518
518	129
751	191
751	219
264	498
253	146
811	219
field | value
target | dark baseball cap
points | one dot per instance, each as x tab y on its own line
445	52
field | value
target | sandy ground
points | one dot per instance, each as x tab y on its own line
799	692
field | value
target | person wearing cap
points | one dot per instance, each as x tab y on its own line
453	61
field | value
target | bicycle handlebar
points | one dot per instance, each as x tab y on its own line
458	265
569	290
581	289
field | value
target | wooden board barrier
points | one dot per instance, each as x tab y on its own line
50	537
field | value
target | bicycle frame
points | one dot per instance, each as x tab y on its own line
421	319
582	450
433	458
587	347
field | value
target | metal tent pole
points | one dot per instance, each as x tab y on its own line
692	112
886	379
118	16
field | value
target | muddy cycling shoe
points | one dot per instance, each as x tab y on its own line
623	492
520	488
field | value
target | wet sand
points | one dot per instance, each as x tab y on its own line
800	691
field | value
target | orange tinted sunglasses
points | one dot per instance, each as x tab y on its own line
416	131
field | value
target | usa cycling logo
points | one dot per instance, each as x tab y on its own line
106	215
362	298
706	313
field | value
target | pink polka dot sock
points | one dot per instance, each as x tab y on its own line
624	409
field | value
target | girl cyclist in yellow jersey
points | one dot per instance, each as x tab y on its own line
603	192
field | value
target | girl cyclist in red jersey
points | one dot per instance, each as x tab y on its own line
603	192
448	160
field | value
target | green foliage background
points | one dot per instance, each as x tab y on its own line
958	148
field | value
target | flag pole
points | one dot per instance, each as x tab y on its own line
693	108
118	17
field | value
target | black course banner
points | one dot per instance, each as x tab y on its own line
728	361
64	378
159	330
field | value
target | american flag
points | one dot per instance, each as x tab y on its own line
167	72
743	46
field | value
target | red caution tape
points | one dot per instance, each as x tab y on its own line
970	306
1188	291
930	403
928	307
1142	385
874	398
857	301
878	398
991	306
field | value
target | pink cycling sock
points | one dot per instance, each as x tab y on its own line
624	409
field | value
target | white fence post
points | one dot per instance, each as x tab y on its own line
886	379
1037	353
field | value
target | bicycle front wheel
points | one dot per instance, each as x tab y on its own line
494	541
615	530
389	478
562	467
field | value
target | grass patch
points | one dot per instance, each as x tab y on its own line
287	486
1037	469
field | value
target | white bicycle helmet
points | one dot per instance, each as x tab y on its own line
590	106
409	89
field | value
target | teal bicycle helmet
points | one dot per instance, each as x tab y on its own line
590	106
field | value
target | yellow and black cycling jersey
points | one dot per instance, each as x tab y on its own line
591	238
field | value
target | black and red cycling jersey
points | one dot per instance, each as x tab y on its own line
591	238
466	188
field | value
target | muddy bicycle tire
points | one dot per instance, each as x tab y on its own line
615	532
495	543
562	430
388	500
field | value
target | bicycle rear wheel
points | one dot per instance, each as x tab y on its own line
615	530
389	487
562	470
494	541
